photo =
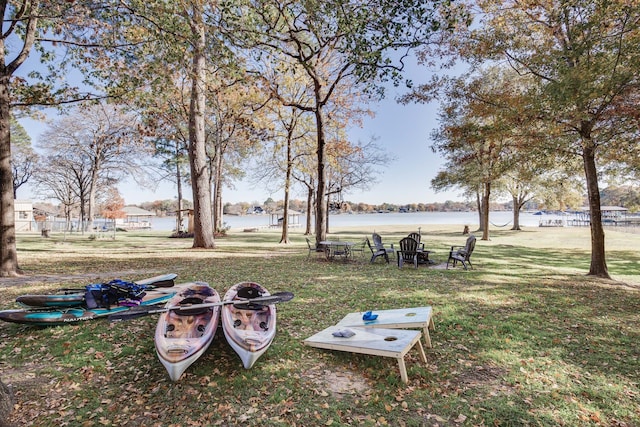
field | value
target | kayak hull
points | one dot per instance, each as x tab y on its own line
182	336
54	300
65	316
248	332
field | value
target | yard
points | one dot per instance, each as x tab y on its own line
525	338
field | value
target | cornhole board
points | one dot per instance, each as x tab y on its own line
394	343
403	318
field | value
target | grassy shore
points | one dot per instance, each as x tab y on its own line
525	338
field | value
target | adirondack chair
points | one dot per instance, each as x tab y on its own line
377	242
417	238
408	252
462	253
375	252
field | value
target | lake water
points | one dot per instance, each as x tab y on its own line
499	218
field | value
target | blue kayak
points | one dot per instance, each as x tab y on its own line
76	297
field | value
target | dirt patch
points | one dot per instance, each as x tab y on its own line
480	375
345	382
339	381
440	266
485	377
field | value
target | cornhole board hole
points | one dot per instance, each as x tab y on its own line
394	343
402	318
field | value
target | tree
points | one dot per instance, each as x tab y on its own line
521	184
164	120
291	140
582	57
622	195
23	158
59	178
100	140
111	207
475	136
236	126
332	42
46	28
175	39
21	23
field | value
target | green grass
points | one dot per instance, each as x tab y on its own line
526	338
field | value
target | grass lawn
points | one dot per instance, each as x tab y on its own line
523	339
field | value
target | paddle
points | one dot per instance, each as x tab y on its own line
249	304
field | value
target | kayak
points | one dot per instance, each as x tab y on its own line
248	331
64	316
76	297
53	300
182	336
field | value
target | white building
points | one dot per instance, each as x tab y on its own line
23	215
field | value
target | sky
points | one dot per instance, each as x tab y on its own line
402	131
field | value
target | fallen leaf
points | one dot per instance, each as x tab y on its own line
461	418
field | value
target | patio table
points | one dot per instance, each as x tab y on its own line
335	248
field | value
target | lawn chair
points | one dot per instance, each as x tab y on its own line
359	247
312	248
417	237
375	253
408	252
462	253
377	243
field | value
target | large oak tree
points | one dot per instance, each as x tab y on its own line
27	26
581	59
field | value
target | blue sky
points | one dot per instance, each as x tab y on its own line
401	130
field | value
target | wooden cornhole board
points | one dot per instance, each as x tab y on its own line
394	343
414	317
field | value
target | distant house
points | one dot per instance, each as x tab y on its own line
255	210
135	218
23	215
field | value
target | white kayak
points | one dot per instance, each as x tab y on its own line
248	331
182	336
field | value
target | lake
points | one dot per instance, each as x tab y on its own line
498	218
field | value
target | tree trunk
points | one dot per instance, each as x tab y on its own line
321	207
307	231
217	189
8	250
203	224
93	185
83	213
516	213
326	221
480	211
485	210
179	217
287	183
598	262
6	404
